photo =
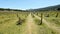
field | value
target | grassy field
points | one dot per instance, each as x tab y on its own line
29	22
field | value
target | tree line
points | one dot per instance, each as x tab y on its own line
8	9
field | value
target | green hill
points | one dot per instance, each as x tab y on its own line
54	8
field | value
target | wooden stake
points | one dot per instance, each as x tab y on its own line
41	18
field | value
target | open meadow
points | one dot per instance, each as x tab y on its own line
47	22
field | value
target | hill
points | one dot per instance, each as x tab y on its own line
49	8
54	8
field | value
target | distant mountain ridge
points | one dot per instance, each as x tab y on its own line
56	7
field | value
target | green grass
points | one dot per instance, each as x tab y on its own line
8	21
43	28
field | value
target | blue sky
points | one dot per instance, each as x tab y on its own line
27	4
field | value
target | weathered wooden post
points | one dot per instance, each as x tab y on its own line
41	18
19	22
37	13
57	15
47	15
17	15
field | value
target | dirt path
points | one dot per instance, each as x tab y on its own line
30	25
52	26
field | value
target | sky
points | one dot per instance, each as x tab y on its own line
27	4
